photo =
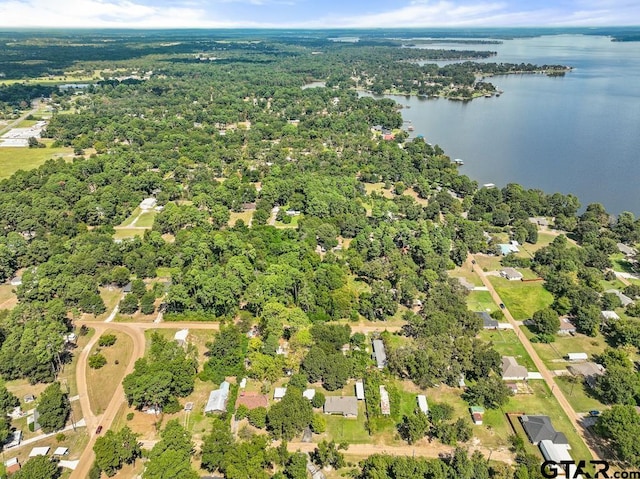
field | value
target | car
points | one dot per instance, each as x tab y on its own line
594	413
473	261
99	430
502	306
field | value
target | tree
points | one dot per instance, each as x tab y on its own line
129	304
290	416
621	425
414	427
258	417
54	408
8	400
40	467
618	385
115	449
171	457
216	445
318	400
96	361
491	392
107	340
546	322
147	303
328	454
296	466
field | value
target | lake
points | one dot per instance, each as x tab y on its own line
575	134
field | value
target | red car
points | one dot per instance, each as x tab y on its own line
99	430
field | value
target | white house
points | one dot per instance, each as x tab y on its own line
511	274
148	203
279	393
39	451
309	394
181	336
609	315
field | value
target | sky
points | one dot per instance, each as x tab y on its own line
316	13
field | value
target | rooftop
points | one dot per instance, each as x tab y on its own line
345	405
252	400
379	353
512	370
539	428
218	398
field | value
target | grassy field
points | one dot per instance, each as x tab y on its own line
132	217
13	159
378	188
527	250
125	233
553	354
354	431
620	263
102	383
522	299
488	263
146	219
507	344
245	216
577	393
481	301
7	295
465	272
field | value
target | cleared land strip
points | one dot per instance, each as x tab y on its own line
584	433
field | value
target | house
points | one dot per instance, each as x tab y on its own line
626	250
39	451
511	274
61	451
385	403
292	213
609	316
624	299
252	400
539	428
11	465
422	403
477	414
506	249
577	356
512	371
218	399
148	203
566	326
309	394
590	371
127	288
558	453
359	390
278	393
181	337
379	353
347	406
487	321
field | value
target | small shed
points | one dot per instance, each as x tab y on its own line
29	398
566	326
309	394
359	390
422	403
279	393
39	451
188	406
243	383
11	465
477	414
609	315
385	403
181	337
577	356
16	281
61	451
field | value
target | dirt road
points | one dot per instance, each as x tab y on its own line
544	371
433	450
106	419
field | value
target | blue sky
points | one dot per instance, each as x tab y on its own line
316	13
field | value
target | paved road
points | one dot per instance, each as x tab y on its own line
14	123
544	371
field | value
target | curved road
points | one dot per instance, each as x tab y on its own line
544	371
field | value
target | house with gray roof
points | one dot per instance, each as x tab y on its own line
346	406
539	428
218	399
626	250
624	299
512	371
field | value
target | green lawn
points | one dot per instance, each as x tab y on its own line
128	233
481	301
244	216
146	219
465	272
522	299
507	343
553	354
527	250
14	159
578	394
488	263
620	263
353	431
129	221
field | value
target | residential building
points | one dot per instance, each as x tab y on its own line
309	394
512	371
566	326
577	356
539	428
609	316
278	393
511	274
218	399
624	299
181	337
346	406
590	371
422	403
626	250
252	400
379	353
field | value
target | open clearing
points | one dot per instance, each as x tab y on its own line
14	159
507	344
102	383
522	299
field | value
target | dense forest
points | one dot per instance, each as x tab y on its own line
211	128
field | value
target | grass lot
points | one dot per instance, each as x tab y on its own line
293	224
351	430
481	301
198	337
128	233
488	263
7	296
578	394
245	216
466	272
522	299
129	221
378	188
527	250
553	354
102	383
14	159
621	264
146	219
507	344
411	192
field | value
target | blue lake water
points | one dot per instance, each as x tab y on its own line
575	134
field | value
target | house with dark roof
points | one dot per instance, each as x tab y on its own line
487	321
539	428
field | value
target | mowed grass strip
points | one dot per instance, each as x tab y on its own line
102	383
507	343
522	299
13	159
